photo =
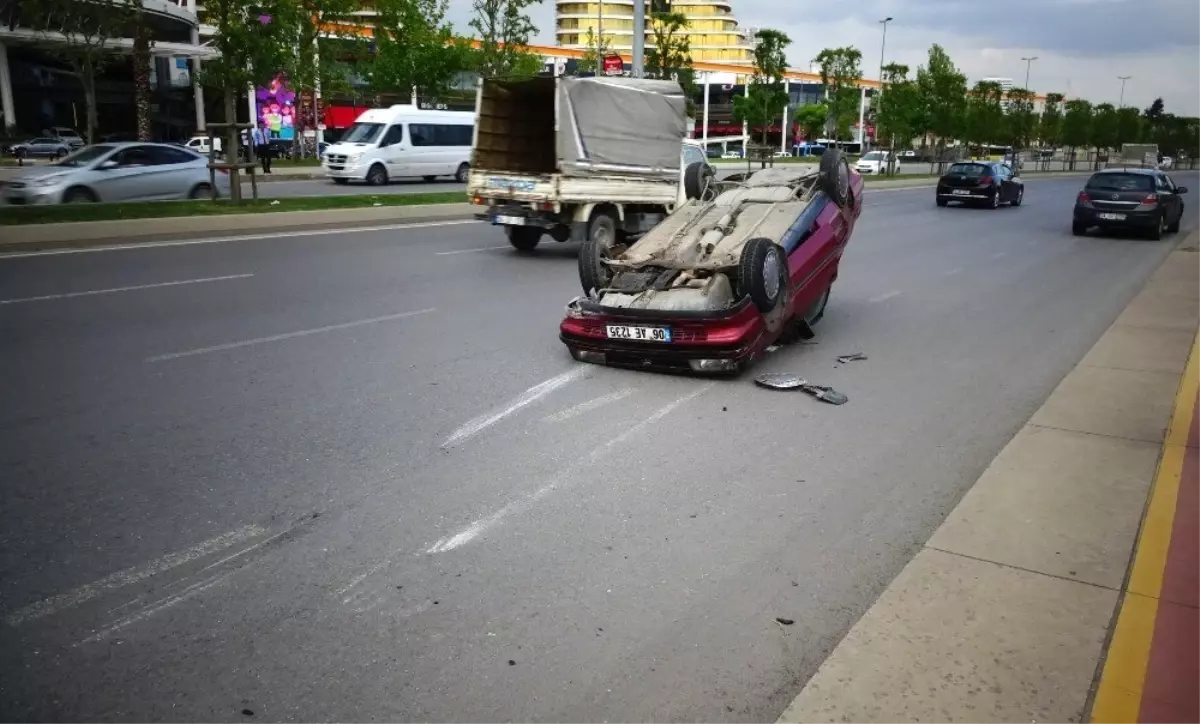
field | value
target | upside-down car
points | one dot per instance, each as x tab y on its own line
745	262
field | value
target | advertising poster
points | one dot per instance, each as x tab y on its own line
277	108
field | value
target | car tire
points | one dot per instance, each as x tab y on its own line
942	202
1156	234
377	175
463	173
760	273
341	181
994	202
593	273
696	179
79	195
1020	196
1173	227
60	153
1078	229
523	238
200	191
834	178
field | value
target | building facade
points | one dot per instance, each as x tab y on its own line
713	32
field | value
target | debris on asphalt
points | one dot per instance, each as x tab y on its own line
826	394
780	381
511	662
247	712
773	348
853	357
784	621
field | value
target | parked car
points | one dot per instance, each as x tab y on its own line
67	135
985	183
117	172
41	147
1130	199
872	163
200	144
747	261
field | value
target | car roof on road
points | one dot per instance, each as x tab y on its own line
1147	171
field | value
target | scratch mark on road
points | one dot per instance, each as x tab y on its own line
586	407
885	297
533	394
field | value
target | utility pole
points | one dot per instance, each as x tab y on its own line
639	38
1122	78
882	50
600	38
1028	62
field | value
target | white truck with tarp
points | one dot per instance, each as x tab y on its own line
579	158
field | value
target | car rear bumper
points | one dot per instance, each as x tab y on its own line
970	194
1129	220
700	342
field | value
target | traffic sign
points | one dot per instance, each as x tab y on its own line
613	65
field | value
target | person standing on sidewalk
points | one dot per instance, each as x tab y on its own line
262	147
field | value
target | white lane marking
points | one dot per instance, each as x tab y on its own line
151	610
952	272
472	251
885	297
585	407
533	394
114	290
87	592
473	531
244	237
286	335
999	255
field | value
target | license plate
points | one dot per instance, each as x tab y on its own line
509	220
1112	217
639	334
961	192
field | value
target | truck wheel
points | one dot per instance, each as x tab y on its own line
603	229
696	179
834	177
761	273
523	238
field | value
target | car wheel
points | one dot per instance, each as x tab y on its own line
760	273
60	153
994	202
523	238
201	191
1020	196
834	178
79	195
942	202
1159	229
464	171
1173	227
341	181
696	179
1078	229
377	176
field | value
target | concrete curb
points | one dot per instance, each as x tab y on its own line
88	233
1005	613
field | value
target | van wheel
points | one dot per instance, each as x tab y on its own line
377	176
200	191
523	238
464	170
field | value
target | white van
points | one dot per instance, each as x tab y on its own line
402	141
199	144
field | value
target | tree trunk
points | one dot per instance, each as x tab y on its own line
231	146
89	96
141	77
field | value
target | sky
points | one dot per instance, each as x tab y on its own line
1082	46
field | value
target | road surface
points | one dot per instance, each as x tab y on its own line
352	476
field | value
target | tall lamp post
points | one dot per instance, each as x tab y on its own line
1028	63
1122	78
882	50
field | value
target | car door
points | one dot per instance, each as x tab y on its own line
43	147
1166	193
1003	177
172	172
127	175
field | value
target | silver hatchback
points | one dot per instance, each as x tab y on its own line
117	172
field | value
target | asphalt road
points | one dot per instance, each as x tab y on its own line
355	476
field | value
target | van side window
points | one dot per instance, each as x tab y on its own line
394	135
440	134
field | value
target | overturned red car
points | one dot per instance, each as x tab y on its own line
746	262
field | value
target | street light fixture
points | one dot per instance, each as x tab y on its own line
1122	78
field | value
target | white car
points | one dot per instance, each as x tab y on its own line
874	162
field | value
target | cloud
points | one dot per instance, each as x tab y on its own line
1081	45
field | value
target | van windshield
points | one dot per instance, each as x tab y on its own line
363	133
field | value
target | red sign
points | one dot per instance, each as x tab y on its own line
613	65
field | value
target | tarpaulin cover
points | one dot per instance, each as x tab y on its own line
611	126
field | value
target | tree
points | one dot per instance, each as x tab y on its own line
504	28
841	72
321	24
899	109
593	50
141	75
669	56
253	43
812	119
1129	126
1076	126
1104	129
983	122
83	32
943	90
415	48
1050	124
767	97
1020	120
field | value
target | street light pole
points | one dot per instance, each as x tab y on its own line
600	37
1028	63
639	38
882	51
1122	78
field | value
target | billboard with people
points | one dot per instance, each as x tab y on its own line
276	108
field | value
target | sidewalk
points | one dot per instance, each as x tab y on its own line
1006	614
